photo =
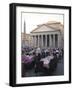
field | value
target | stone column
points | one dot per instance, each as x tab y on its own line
50	41
42	40
54	40
38	40
46	41
59	41
34	41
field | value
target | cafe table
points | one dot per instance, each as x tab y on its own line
46	61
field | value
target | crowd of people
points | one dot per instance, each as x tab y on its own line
39	54
56	53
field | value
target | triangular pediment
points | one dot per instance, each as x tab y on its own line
43	28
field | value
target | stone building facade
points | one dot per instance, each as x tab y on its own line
26	40
48	35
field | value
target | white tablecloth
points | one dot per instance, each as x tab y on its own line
46	61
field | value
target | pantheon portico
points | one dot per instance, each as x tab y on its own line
49	35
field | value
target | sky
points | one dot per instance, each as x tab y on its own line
33	19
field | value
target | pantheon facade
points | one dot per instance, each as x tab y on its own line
48	35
